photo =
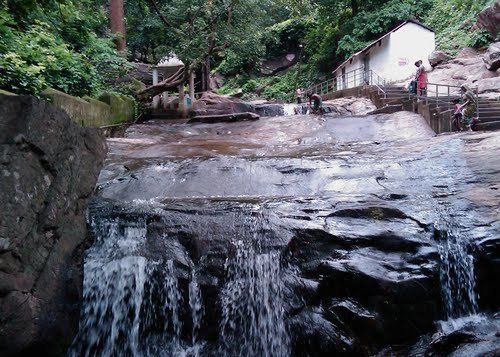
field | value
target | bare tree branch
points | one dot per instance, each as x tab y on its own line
171	83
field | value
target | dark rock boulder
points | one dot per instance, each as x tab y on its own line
49	166
278	64
489	19
269	110
438	57
400	270
214	104
492	57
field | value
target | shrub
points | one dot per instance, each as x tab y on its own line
36	59
249	86
453	22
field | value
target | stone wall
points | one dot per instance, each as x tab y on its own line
109	109
49	167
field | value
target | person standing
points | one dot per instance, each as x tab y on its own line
469	106
298	94
421	78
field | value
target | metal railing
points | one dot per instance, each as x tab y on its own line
355	78
444	95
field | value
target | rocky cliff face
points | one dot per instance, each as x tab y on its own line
49	166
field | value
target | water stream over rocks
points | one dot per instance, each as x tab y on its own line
296	235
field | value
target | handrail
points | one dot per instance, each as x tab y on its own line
354	78
360	76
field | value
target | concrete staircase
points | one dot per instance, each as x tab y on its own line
489	114
438	113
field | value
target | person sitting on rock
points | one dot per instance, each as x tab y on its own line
468	107
317	103
421	78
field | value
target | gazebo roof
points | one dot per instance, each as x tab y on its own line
170	61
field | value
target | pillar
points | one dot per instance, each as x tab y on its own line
164	100
191	86
156	99
182	106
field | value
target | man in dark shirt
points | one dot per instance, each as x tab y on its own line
316	102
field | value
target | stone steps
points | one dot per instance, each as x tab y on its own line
488	126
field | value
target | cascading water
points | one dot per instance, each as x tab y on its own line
132	304
457	270
196	307
137	302
458	281
253	314
291	109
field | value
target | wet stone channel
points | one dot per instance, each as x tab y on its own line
293	236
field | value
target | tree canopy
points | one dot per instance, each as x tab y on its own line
66	44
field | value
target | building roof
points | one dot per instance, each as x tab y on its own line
380	39
170	61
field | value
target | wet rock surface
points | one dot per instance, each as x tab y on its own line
298	235
49	167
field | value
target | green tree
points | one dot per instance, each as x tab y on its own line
57	43
197	31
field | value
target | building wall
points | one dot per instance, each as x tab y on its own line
409	44
379	55
353	78
393	57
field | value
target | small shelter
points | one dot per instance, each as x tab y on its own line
165	68
391	56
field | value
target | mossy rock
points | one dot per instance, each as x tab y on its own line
84	111
123	107
6	92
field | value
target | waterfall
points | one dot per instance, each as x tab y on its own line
138	303
458	280
457	274
196	308
132	305
291	109
253	322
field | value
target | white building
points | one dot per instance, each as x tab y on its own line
392	56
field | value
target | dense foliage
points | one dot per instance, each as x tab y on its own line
56	43
337	28
66	44
453	22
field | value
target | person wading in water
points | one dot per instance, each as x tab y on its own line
317	103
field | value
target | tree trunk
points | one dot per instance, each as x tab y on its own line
205	75
354	7
117	24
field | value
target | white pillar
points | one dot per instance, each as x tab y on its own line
156	99
182	107
191	86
